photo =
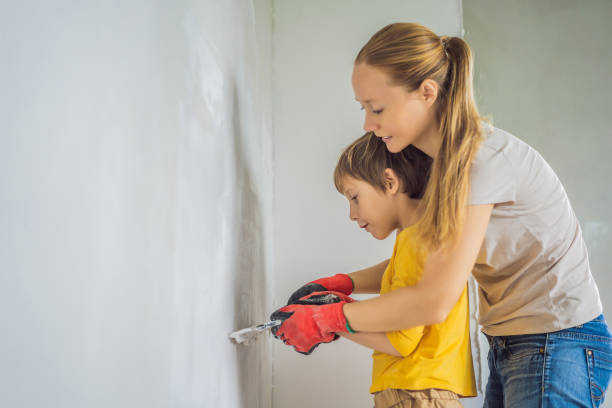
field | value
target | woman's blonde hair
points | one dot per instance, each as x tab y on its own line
411	53
367	158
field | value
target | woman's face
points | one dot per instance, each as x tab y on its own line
394	114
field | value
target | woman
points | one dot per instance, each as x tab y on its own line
494	208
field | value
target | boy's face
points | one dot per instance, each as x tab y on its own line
373	210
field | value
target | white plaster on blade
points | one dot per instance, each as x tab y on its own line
245	336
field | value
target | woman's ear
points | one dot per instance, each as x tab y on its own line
429	91
392	182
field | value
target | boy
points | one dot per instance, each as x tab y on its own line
426	366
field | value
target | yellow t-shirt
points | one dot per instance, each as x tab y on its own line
437	356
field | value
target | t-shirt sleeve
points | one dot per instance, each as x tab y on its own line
492	178
405	341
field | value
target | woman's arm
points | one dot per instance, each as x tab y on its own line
368	280
428	302
375	341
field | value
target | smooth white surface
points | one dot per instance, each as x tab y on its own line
135	198
316	116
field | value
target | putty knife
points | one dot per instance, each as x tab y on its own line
245	336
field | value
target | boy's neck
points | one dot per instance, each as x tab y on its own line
408	211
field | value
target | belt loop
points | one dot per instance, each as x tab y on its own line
395	396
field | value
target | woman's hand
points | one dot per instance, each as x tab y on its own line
312	320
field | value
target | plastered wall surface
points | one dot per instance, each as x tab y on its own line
146	210
135	203
316	116
542	73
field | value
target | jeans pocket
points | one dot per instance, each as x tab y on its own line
599	364
520	351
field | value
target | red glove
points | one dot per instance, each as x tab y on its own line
312	320
338	283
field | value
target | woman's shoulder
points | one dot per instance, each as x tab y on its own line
505	167
497	141
496	168
501	151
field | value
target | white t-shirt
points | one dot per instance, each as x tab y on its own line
533	268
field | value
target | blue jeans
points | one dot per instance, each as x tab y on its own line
567	368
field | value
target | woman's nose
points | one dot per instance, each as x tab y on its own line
369	124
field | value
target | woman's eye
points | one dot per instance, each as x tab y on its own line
354	198
377	112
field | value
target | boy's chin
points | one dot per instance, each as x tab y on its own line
382	236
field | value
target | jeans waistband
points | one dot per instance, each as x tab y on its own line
587	328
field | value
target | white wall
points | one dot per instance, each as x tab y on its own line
316	116
135	202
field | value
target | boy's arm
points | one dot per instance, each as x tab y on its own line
399	343
363	281
368	280
375	341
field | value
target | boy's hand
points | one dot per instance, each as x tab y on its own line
338	283
312	320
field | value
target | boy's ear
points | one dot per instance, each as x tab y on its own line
392	182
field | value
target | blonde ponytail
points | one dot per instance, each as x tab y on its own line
410	53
